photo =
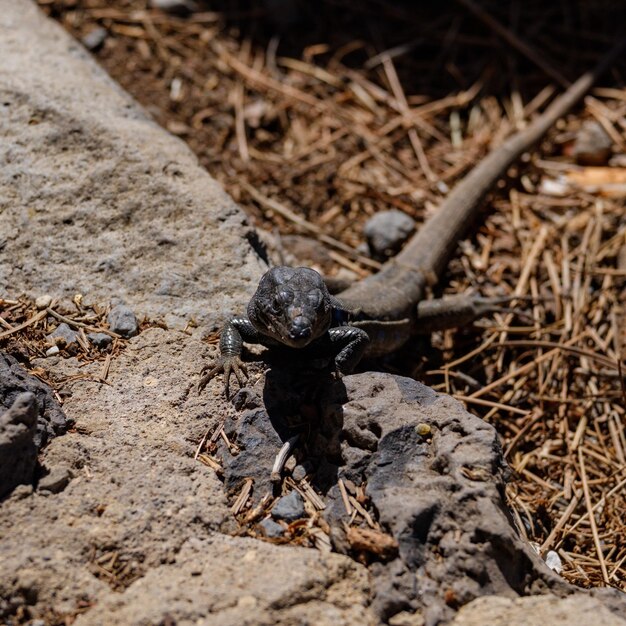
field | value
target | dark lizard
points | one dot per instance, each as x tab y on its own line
292	306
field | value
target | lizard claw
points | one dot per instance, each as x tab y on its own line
228	365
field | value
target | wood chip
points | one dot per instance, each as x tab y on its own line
372	541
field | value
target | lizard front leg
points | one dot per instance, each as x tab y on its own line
349	343
235	332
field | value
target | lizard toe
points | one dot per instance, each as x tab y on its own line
207	376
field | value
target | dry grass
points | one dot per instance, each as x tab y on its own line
337	133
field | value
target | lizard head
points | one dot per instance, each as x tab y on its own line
291	305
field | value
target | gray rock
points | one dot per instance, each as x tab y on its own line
423	496
14	380
258	443
18	452
271	529
369	430
95	38
176	7
21	491
387	231
592	145
90	184
406	618
289	507
247	582
536	611
100	340
65	334
56	480
122	320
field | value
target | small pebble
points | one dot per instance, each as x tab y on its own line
177	7
299	472
289	508
63	334
52	351
553	561
423	430
387	231
592	145
271	529
122	320
557	188
43	302
100	340
364	249
55	481
95	38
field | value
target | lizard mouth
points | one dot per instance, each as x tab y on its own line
300	332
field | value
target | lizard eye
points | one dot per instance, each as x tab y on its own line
314	298
281	299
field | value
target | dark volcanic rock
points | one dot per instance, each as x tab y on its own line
14	380
270	415
18	452
441	497
258	445
434	473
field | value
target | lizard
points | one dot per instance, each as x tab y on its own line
292	306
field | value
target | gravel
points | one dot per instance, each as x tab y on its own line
271	529
122	321
63	334
289	507
387	231
100	340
